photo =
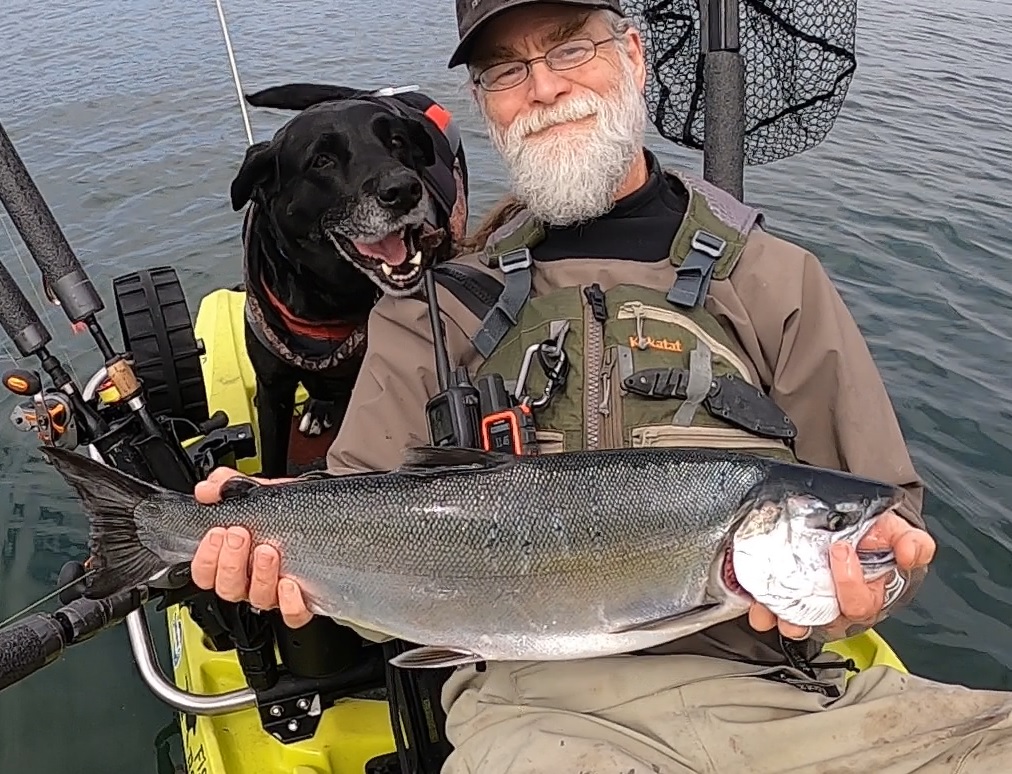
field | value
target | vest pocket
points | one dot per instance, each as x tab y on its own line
649	436
636	310
551	441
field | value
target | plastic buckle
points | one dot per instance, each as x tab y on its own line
515	260
707	243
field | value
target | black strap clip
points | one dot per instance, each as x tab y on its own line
692	278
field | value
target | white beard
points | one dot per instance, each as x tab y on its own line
573	173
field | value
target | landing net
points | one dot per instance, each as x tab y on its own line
799	60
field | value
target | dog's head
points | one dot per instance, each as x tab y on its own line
350	178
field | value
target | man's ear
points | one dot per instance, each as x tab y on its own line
421	141
634	45
256	171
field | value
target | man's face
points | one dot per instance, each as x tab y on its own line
568	138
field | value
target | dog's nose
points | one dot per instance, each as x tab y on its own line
399	190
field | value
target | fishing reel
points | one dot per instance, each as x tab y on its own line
47	413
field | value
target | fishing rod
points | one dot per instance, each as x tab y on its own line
223	24
64	416
35	642
144	451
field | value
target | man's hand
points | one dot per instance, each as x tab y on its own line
222	560
860	602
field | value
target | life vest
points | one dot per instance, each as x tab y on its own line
446	187
308	344
651	367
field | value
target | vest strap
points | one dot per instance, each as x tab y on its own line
516	268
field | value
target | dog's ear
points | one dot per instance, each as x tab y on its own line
256	170
421	140
299	96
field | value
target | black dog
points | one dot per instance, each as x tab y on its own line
352	198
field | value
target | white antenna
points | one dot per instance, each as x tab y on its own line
235	71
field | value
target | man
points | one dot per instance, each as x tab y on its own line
560	87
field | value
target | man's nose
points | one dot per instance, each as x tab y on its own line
546	85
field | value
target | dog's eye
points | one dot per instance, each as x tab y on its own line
320	161
396	143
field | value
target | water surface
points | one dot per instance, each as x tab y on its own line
126	116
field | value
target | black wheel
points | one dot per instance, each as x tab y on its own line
155	322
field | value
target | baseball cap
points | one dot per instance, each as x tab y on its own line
473	14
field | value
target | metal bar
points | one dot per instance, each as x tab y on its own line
183	701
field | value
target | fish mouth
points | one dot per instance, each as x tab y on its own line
394	261
728	578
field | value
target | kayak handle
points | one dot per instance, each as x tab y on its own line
183	701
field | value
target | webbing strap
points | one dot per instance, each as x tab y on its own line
692	278
475	289
516	268
698	387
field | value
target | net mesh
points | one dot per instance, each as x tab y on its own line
799	60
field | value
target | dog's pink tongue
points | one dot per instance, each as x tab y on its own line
390	249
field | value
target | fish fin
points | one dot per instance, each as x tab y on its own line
430	460
435	657
664	621
118	558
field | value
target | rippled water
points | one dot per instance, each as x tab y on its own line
126	116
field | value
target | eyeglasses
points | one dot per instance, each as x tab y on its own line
565	56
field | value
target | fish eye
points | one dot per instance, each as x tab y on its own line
836	521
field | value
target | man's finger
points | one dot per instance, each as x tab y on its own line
208	491
232	579
263	584
915	548
221	474
859	601
760	618
293	608
886	531
912	546
204	564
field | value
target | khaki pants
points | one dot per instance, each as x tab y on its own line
678	714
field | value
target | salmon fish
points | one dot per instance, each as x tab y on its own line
480	556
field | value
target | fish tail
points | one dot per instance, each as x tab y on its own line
119	560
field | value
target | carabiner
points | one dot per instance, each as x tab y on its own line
555	375
525	370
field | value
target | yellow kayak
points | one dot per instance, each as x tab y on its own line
354	731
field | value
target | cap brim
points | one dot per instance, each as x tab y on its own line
463	50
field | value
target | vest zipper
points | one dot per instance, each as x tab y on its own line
610	406
594	315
